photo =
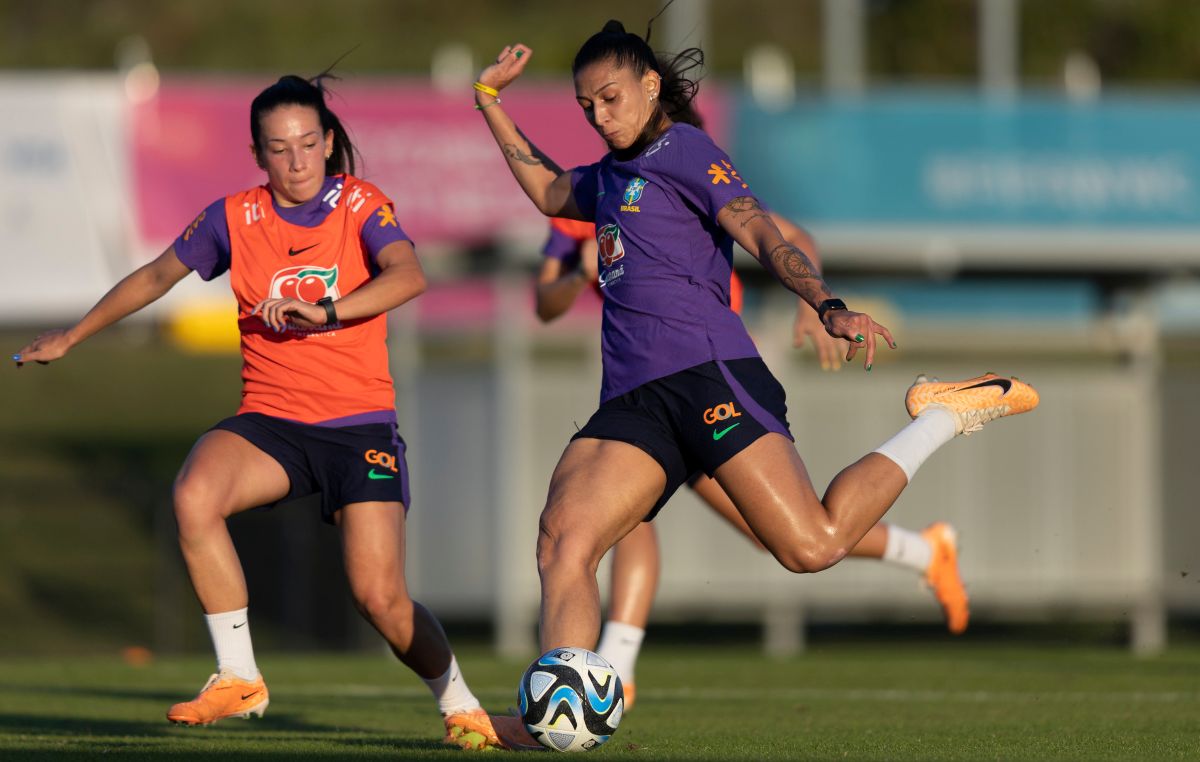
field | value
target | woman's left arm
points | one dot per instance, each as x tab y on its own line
751	226
400	279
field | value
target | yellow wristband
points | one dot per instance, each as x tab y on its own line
486	90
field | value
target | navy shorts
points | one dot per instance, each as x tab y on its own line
695	420
347	464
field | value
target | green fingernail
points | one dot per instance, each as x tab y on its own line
868	368
859	337
520	53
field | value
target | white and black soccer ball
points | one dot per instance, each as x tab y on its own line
571	699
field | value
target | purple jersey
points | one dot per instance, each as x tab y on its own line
665	263
562	247
204	247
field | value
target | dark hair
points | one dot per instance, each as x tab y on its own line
679	87
627	50
291	90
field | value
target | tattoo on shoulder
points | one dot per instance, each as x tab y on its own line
514	152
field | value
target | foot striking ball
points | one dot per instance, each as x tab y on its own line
571	699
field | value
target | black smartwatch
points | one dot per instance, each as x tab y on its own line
331	313
826	306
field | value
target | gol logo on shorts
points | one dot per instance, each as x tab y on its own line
375	457
721	412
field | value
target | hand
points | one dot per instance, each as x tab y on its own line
807	324
509	65
47	347
589	263
279	313
859	329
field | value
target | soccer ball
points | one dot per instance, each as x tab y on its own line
571	699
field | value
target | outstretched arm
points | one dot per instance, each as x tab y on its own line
547	186
751	226
141	287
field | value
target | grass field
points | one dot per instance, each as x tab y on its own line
908	701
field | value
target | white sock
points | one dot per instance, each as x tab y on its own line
230	633
619	644
914	443
907	548
451	691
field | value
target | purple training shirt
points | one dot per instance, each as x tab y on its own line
665	263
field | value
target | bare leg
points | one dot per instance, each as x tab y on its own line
872	545
635	569
373	546
576	530
770	486
223	475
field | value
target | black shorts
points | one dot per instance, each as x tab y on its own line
695	420
348	464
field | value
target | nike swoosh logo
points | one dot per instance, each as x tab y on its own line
293	252
243	624
248	695
1003	383
372	475
718	434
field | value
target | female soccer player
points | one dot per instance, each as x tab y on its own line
568	264
317	258
683	387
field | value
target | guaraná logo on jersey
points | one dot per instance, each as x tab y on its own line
306	283
633	192
608	239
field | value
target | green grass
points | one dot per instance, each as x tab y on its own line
953	701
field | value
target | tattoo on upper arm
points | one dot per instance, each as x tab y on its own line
746	209
514	152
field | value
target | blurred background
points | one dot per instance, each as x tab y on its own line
1009	185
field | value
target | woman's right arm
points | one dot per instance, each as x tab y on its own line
548	187
136	290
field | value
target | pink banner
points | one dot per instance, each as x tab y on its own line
430	151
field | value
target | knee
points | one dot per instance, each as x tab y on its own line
810	557
196	504
380	603
561	553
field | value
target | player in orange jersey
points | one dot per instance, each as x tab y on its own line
569	264
317	259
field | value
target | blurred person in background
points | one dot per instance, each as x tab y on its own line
569	265
317	259
683	388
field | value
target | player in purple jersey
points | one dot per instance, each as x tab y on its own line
569	262
295	241
683	387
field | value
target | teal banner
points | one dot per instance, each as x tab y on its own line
929	159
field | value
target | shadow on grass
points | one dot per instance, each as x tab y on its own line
281	736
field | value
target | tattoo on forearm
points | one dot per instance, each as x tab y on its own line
796	271
514	152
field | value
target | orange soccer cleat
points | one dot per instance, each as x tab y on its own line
224	695
973	402
629	692
943	578
479	731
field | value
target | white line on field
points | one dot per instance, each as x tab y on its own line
795	694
